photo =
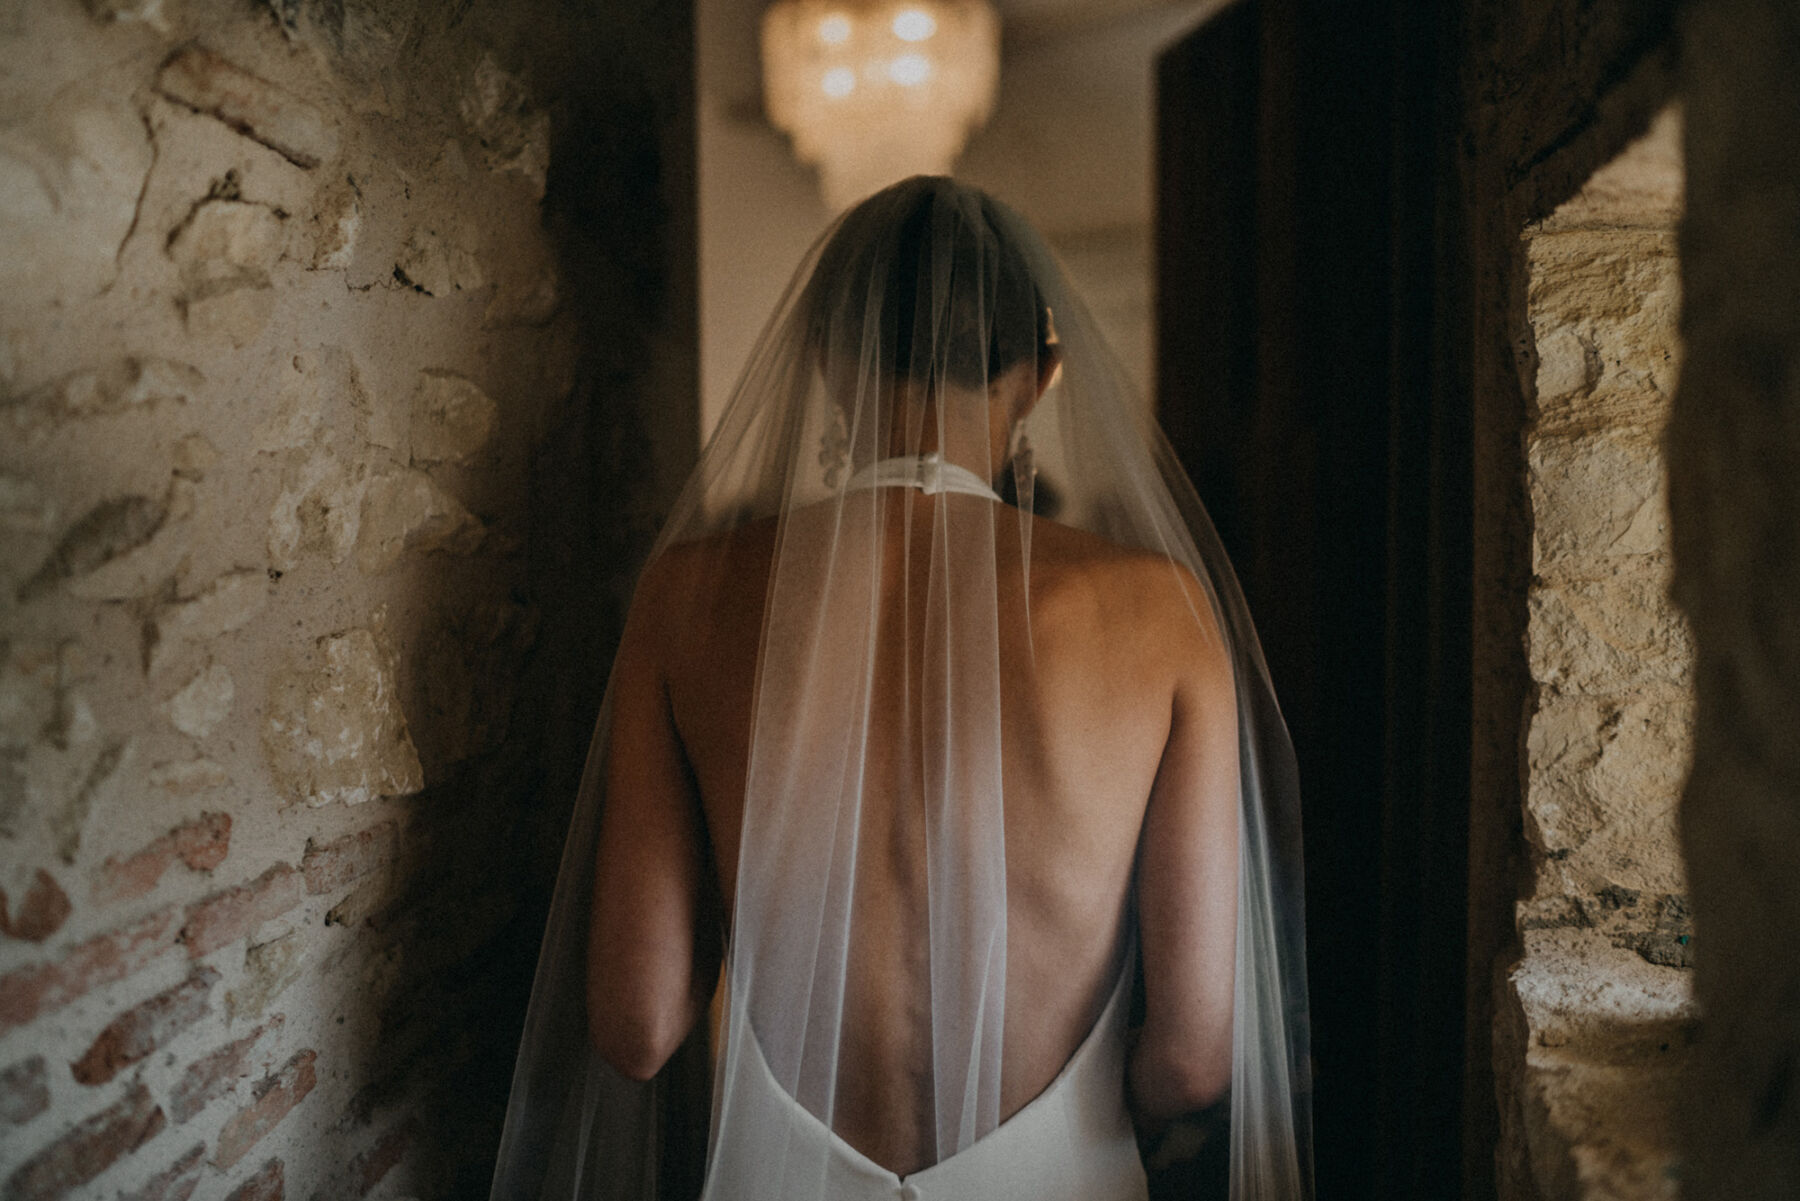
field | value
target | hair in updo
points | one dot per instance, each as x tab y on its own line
926	243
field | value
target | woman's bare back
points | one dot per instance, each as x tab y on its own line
1088	705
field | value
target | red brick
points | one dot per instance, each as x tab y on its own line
23	1093
266	1185
276	1095
201	844
368	1168
41	913
88	1150
213	1075
231	913
29	991
145	1027
177	1182
343	860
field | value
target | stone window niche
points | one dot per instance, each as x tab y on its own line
1596	1016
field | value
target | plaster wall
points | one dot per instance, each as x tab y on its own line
1734	467
306	455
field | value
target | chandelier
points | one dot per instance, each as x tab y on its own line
874	91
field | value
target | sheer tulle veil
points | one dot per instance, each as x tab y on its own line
877	372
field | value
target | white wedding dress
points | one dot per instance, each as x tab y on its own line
1074	1140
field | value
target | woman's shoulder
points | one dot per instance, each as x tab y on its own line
689	580
1153	577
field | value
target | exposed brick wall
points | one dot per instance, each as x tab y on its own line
346	359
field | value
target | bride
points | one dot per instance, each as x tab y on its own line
939	783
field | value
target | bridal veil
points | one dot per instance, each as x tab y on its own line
876	371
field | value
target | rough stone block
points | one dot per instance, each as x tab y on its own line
186	776
229	603
341	861
176	1182
294	419
437	264
266	1185
1609	1034
201	844
203	702
335	730
268	969
232	913
253	106
24	1094
452	418
213	1075
88	1150
41	911
1603	777
335	224
407	512
56	762
360	904
1603	306
74	173
319	511
225	245
1614	636
193	455
514	134
142	571
103	533
28	992
1577	988
68	818
145	1027
128	384
149	12
1595	497
276	1095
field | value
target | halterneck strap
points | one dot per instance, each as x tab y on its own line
927	472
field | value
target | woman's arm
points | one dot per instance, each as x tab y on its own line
653	941
1187	891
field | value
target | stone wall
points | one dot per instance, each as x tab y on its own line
1529	140
1598	1014
345	358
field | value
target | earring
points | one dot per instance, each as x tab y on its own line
1024	463
834	447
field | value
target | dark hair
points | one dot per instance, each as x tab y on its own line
887	253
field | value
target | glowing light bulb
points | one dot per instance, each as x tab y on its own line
910	70
872	91
838	82
914	25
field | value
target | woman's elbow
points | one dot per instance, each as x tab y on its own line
634	1045
1169	1082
